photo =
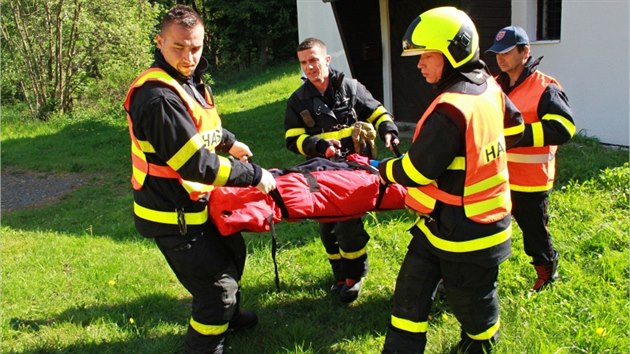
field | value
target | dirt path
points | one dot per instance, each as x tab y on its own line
23	189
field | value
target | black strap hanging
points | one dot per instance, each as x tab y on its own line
274	250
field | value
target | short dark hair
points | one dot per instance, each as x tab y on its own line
182	15
521	47
309	43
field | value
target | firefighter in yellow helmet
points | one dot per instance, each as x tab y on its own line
457	180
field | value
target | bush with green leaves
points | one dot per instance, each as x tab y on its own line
58	53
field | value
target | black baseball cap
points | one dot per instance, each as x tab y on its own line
507	38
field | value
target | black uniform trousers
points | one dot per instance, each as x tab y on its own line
209	266
530	212
470	290
346	236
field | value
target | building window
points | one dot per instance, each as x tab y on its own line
549	15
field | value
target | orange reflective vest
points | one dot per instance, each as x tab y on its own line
486	196
532	169
208	124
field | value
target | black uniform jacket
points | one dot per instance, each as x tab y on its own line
160	117
331	111
440	140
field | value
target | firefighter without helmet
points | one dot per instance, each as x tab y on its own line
443	29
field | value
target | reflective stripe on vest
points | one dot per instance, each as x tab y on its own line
170	217
532	169
476	244
486	196
208	125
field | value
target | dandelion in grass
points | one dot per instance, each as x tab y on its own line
111	282
600	331
131	320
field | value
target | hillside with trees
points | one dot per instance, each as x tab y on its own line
58	55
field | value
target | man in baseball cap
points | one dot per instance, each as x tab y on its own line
507	38
532	161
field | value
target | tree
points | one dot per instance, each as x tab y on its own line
246	33
58	47
241	34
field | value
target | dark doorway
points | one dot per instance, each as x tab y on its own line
411	94
359	25
360	28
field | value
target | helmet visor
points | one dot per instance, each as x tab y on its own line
410	48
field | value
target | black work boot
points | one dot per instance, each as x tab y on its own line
243	320
350	290
397	341
469	346
335	289
547	274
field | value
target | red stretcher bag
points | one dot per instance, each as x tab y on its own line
318	189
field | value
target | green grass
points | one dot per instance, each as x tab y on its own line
77	278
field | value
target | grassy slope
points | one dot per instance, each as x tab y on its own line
76	278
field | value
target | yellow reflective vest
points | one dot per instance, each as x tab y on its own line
486	197
208	124
532	169
209	135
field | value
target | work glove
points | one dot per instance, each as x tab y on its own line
391	142
241	151
391	139
333	148
330	152
267	182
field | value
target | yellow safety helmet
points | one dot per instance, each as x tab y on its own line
443	29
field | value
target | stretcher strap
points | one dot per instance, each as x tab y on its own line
312	181
313	185
274	250
275	195
382	189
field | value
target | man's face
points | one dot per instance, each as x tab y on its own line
181	47
512	61
314	63
431	64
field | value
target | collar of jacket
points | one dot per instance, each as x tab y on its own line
335	80
456	81
475	72
160	62
531	65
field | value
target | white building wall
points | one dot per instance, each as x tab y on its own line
316	19
591	61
